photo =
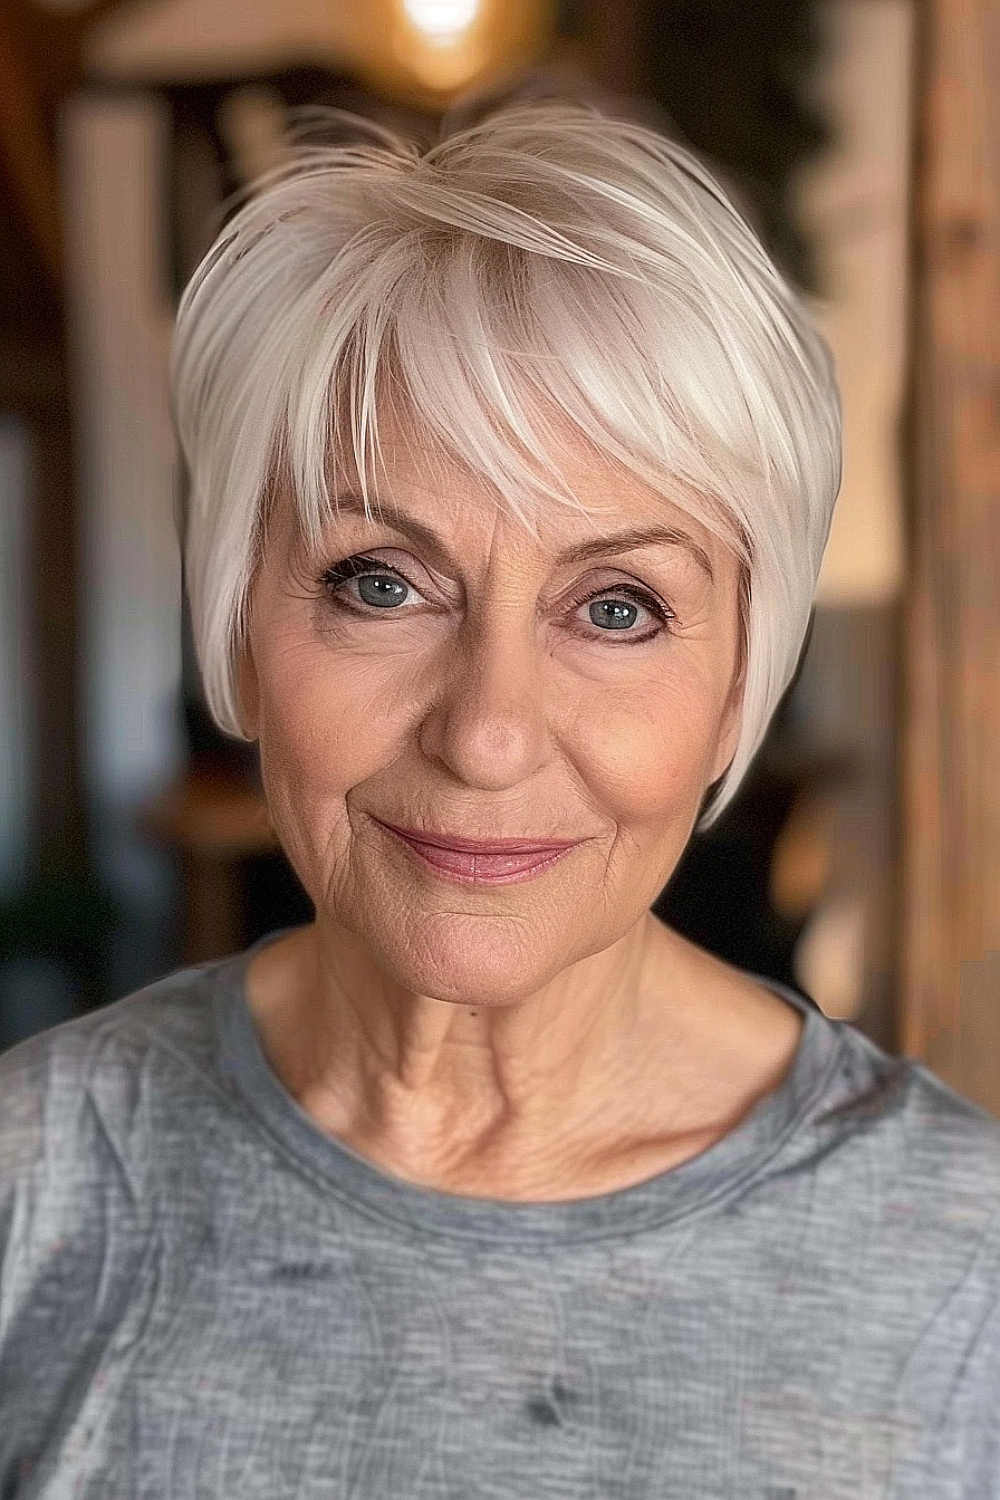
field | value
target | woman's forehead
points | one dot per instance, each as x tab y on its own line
416	473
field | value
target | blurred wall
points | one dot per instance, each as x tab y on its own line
120	316
17	837
854	202
188	39
855	205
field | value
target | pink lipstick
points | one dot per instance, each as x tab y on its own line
498	862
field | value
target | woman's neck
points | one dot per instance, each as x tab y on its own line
624	1065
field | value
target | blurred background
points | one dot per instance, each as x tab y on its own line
861	862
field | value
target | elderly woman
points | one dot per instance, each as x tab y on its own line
511	463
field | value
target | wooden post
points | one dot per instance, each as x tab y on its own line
950	772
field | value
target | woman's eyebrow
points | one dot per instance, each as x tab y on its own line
629	540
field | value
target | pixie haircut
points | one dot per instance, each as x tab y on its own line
545	263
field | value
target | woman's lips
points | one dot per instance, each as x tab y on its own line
480	868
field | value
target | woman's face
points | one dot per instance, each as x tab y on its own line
474	681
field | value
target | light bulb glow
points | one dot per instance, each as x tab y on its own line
441	20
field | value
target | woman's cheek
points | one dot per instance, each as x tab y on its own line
646	750
328	716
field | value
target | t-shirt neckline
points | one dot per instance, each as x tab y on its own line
694	1185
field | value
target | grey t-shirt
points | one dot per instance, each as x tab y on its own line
204	1297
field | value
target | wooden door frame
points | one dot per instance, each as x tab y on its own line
950	649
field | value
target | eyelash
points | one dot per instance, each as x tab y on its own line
360	565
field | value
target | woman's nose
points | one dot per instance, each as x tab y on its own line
488	722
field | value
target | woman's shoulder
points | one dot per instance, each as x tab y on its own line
101	1118
854	1099
74	1088
934	1153
929	1112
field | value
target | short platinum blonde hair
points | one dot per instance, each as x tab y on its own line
545	262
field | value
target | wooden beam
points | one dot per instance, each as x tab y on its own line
40	61
950	916
27	154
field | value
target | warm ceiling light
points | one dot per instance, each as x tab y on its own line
441	20
427	51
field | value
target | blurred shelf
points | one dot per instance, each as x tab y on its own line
213	820
210	814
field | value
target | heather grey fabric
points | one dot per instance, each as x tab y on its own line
204	1296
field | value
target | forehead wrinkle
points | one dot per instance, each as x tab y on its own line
629	540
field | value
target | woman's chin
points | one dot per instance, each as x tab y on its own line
463	972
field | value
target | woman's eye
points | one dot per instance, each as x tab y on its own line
378	586
622	611
619	610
